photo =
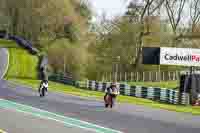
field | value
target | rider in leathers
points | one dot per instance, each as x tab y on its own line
43	85
113	91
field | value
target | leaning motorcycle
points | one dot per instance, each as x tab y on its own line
110	99
42	91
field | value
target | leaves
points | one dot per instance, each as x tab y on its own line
33	19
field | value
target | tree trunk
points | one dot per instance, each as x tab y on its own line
139	52
14	12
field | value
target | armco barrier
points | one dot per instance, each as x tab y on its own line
156	94
20	41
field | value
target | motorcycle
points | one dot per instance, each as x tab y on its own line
110	100
197	103
42	91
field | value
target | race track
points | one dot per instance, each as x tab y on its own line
125	118
14	122
3	61
19	113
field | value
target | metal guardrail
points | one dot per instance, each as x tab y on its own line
156	94
153	93
20	41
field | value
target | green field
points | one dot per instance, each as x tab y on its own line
163	84
99	95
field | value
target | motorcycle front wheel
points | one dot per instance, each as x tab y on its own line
42	92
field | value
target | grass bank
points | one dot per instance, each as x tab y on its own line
7	44
99	95
22	64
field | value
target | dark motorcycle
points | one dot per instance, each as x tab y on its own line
109	100
42	91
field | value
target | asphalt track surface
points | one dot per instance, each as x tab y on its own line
14	122
124	117
3	61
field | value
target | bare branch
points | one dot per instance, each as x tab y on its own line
144	11
159	4
170	15
180	11
194	13
174	11
149	8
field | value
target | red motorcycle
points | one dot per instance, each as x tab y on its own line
110	100
111	95
197	103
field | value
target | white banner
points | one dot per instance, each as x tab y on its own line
180	56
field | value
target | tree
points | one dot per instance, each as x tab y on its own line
148	8
174	10
42	21
194	14
67	58
115	47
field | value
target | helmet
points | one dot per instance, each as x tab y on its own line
114	84
45	81
198	96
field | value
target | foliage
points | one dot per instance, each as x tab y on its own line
67	58
43	21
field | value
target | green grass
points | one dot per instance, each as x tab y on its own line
8	44
167	84
22	64
99	95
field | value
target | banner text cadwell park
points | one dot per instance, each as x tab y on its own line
179	56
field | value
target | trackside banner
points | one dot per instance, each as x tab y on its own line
179	56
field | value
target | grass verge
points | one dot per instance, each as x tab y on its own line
99	95
21	64
7	44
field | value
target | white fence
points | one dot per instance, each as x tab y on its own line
141	76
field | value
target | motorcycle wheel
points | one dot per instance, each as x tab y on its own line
110	101
42	92
106	100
